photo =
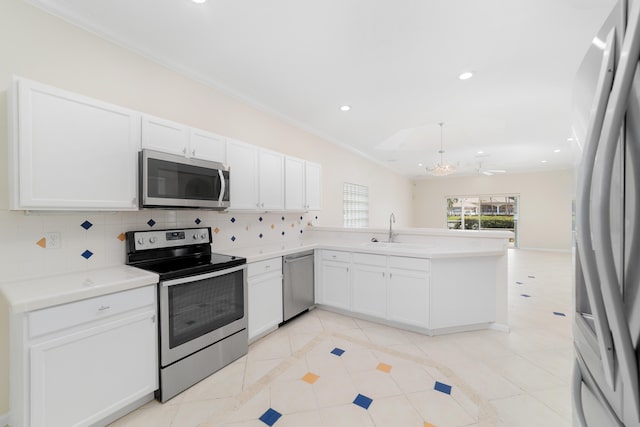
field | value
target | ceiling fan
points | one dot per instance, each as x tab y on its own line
489	172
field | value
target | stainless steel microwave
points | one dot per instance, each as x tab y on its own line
171	181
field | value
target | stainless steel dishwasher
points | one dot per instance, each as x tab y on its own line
297	289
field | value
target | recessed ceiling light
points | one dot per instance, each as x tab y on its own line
480	152
466	75
345	107
420	165
557	150
543	161
199	1
570	139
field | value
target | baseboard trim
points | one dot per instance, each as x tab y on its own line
561	251
4	420
500	327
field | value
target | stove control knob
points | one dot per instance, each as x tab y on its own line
152	240
141	240
195	236
203	236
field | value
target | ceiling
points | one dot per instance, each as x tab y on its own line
395	62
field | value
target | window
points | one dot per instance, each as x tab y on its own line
355	201
484	213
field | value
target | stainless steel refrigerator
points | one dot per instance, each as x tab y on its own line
606	125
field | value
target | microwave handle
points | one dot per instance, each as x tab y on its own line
223	186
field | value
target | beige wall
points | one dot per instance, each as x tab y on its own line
41	47
545	203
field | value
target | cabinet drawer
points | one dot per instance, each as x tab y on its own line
336	255
370	259
76	313
405	263
267	266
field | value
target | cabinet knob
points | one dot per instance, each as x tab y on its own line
104	307
184	150
193	152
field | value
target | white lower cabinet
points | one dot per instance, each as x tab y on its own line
265	296
333	281
408	297
82	369
369	286
386	287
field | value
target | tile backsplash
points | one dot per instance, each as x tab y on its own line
96	240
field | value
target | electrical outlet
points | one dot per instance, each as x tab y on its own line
53	239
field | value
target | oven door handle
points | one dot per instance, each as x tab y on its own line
188	279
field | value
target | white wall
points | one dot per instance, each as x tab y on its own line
36	45
545	215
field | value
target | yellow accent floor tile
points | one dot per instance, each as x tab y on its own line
384	367
310	378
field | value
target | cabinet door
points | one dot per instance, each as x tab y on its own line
164	135
265	303
335	285
271	183
313	186
369	290
207	146
71	152
294	197
409	297
80	378
243	162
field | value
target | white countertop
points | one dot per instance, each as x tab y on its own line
259	253
37	293
34	294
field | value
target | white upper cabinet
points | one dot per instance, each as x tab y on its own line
164	135
70	152
313	186
271	183
207	146
174	138
257	177
243	163
294	197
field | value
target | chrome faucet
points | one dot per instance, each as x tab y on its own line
392	219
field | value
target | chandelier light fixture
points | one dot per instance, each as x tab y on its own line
441	169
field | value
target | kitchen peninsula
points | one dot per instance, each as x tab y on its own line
431	281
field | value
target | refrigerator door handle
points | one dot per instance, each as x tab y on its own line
583	222
601	191
576	394
582	375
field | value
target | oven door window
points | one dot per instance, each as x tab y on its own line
172	180
200	307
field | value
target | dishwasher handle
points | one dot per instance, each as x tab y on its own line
290	258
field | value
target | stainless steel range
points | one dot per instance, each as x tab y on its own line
202	299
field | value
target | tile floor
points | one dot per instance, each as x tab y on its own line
325	369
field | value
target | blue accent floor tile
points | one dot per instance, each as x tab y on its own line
557	313
198	221
86	225
87	254
151	223
270	417
233	219
362	401
526	295
233	238
442	387
337	351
